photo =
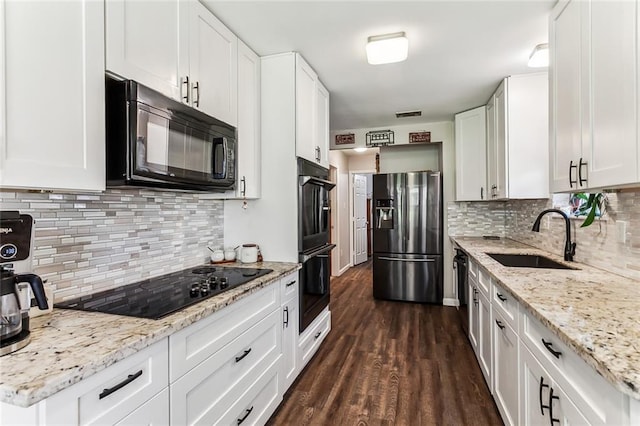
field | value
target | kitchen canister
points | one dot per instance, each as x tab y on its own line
249	253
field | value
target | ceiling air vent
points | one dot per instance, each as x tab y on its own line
405	114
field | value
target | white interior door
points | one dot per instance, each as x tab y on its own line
360	219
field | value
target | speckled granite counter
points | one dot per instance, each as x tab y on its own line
68	346
594	312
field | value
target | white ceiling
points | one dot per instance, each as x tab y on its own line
458	50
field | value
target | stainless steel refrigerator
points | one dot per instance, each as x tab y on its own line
407	237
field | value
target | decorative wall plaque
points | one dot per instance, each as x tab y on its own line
420	137
346	139
380	137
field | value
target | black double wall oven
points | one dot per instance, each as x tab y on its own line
314	250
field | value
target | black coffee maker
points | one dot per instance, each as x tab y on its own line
16	240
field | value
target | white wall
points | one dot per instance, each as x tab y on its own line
341	256
410	158
363	162
440	132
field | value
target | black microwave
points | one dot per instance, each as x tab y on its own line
155	141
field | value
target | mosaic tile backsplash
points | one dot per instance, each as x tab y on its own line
90	242
597	245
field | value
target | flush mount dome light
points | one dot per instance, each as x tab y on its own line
387	48
361	149
539	58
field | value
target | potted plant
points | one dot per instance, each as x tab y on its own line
591	205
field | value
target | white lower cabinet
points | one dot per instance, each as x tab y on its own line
535	378
474	330
543	402
505	369
203	395
313	336
484	339
232	367
290	313
257	404
119	394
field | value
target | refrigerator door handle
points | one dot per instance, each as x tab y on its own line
399	259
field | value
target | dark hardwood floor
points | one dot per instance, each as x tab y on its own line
388	363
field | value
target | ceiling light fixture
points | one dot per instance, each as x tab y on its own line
387	48
362	149
539	58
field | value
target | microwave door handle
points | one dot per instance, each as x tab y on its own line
327	184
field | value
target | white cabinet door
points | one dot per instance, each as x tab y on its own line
484	339
612	55
474	330
290	365
534	390
249	142
505	372
151	51
471	154
322	125
52	97
306	111
498	172
565	117
213	51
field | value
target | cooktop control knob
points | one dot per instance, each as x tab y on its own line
213	282
204	289
195	290
223	282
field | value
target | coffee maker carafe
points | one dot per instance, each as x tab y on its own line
16	240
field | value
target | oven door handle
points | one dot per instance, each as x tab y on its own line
327	184
398	259
322	250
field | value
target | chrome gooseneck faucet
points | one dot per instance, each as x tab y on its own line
569	247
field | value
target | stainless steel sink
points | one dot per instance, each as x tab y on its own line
527	261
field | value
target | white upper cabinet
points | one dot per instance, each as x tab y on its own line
312	115
152	52
517	138
471	145
248	185
594	49
322	124
184	52
213	50
306	93
52	95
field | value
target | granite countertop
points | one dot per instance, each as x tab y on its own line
68	346
593	311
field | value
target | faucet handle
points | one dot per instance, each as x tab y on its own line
573	249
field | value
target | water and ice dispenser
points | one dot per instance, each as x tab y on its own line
384	213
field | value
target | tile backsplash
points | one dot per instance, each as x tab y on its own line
90	242
597	245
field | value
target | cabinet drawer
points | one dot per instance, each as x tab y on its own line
506	304
289	285
314	335
154	412
192	345
111	394
484	282
257	404
203	394
596	399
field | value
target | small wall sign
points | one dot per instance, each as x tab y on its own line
380	138
346	139
420	137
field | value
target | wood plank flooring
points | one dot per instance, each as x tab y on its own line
388	363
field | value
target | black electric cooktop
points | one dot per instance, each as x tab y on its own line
157	297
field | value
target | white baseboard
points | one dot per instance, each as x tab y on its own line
450	302
343	270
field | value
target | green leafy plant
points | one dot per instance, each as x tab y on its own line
594	205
